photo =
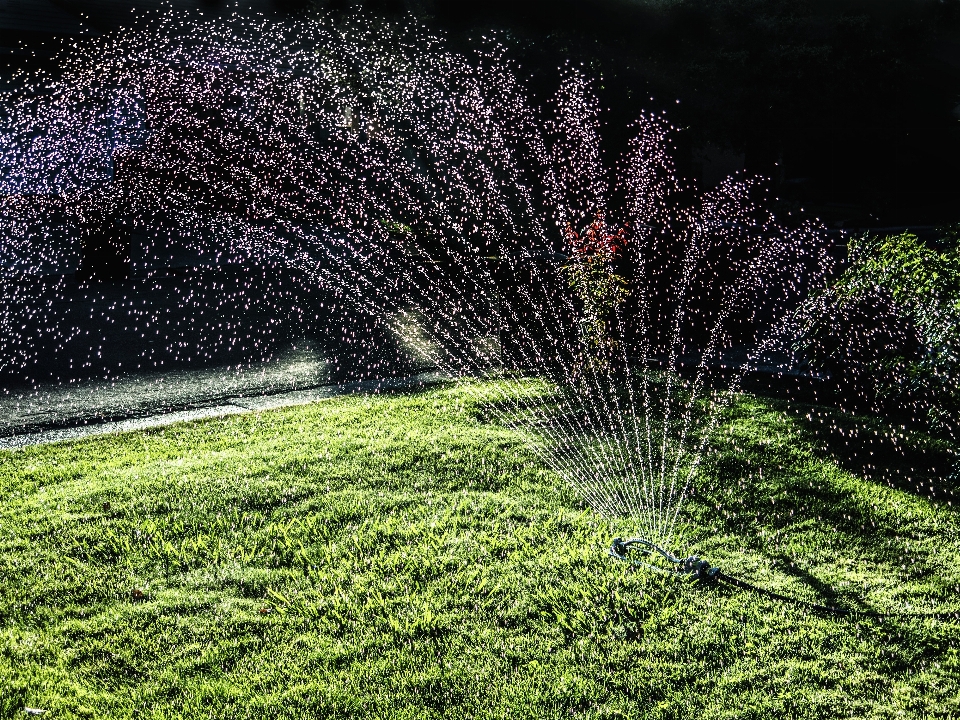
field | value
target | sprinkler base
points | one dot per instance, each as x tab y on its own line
692	567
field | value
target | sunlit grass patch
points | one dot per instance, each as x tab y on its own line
407	556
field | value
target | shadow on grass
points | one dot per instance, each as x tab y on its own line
882	451
774	498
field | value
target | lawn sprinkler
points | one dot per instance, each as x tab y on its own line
692	568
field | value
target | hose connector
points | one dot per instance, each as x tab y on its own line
619	548
699	569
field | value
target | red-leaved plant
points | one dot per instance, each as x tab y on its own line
599	290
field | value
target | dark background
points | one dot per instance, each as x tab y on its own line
852	108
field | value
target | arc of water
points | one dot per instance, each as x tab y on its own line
418	132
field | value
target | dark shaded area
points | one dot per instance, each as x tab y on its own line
187	317
846	107
865	338
535	322
105	15
872	448
105	252
764	493
850	108
883	451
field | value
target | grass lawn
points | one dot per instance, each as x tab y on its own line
402	556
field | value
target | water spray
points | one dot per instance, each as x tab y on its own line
301	146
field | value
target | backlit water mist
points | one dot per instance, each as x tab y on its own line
425	193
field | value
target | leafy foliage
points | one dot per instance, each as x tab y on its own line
888	328
600	290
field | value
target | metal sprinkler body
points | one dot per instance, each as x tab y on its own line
693	567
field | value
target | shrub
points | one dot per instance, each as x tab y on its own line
599	290
888	329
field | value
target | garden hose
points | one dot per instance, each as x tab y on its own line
698	570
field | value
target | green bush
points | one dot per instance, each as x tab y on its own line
888	329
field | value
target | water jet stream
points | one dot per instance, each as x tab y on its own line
424	189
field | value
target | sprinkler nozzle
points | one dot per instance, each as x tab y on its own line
699	569
619	548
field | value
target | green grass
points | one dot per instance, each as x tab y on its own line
403	556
